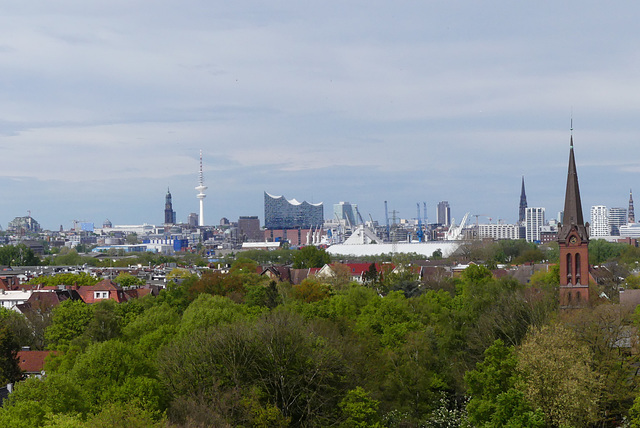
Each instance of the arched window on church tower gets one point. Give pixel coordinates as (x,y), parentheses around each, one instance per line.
(569,269)
(577,268)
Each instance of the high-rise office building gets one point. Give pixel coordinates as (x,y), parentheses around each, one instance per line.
(192,220)
(280,213)
(534,220)
(347,212)
(444,213)
(249,229)
(599,221)
(617,218)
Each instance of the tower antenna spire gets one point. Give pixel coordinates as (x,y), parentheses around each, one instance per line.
(201,195)
(571,127)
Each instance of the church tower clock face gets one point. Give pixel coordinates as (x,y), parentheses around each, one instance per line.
(573,240)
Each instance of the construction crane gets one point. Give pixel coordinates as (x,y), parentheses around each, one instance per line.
(419,232)
(359,216)
(482,215)
(386,215)
(424,204)
(455,232)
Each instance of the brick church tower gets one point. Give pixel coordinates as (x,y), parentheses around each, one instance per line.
(573,240)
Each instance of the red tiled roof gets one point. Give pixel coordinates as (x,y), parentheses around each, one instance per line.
(33,361)
(115,292)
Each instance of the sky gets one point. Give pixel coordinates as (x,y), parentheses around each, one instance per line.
(106,104)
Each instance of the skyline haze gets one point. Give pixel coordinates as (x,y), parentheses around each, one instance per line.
(106,104)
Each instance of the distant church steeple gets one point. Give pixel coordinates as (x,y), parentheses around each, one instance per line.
(169,213)
(632,216)
(523,204)
(573,240)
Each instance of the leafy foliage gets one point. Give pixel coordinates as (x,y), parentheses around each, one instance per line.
(79,279)
(240,349)
(310,257)
(18,255)
(9,347)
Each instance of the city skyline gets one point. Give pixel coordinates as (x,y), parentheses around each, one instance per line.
(104,108)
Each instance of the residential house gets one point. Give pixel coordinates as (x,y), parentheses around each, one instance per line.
(104,290)
(32,362)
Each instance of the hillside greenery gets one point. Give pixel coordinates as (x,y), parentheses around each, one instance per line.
(240,350)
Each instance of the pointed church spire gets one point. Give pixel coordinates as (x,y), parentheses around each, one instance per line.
(523,203)
(573,244)
(572,203)
(632,216)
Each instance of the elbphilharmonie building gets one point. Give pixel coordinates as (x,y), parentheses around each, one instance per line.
(280,213)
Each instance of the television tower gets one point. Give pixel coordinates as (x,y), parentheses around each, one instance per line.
(201,188)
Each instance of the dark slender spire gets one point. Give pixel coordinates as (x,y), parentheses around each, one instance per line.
(632,216)
(572,203)
(523,203)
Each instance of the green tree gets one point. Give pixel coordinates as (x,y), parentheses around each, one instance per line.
(359,410)
(80,279)
(153,328)
(260,295)
(606,331)
(18,325)
(295,370)
(125,279)
(371,277)
(415,375)
(243,265)
(18,255)
(68,257)
(9,366)
(69,321)
(211,311)
(311,290)
(117,372)
(632,281)
(35,402)
(532,255)
(495,399)
(558,376)
(310,257)
(105,323)
(601,251)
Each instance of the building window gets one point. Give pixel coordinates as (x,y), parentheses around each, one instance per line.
(100,294)
(578,268)
(569,268)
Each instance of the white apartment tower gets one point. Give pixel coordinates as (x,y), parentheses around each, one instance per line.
(599,221)
(534,220)
(500,231)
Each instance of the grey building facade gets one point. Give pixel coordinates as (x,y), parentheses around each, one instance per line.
(280,213)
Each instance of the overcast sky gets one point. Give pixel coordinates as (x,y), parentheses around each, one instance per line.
(106,104)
